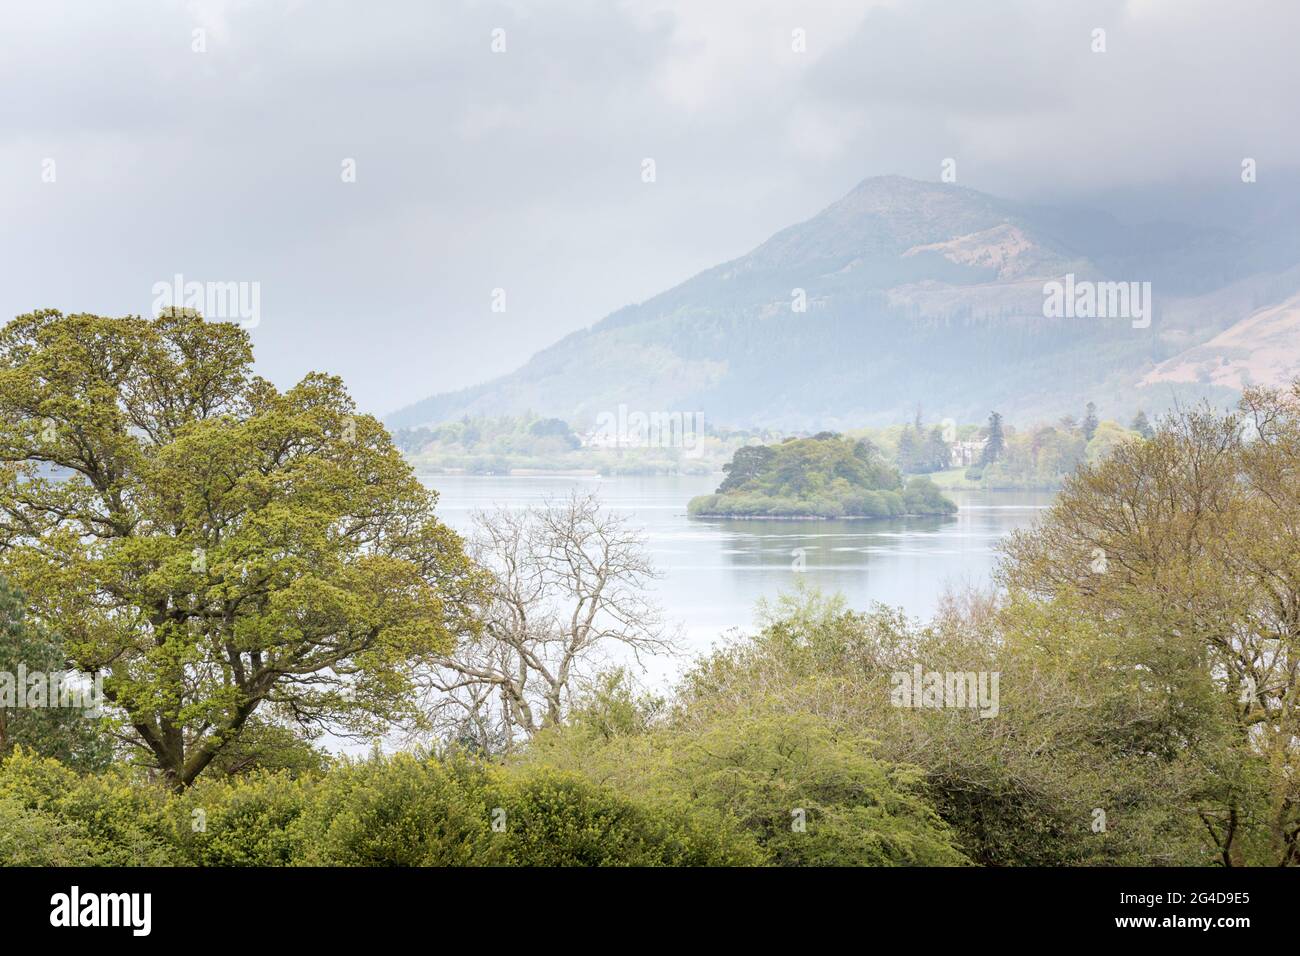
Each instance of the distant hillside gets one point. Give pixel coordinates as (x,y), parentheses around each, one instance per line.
(1261,349)
(916,294)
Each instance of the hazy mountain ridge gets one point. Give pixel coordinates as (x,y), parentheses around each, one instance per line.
(916,293)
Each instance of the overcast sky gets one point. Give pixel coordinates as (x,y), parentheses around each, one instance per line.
(522,169)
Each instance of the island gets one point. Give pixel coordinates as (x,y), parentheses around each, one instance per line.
(825,476)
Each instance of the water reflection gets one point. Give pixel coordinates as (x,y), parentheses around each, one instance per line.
(715,570)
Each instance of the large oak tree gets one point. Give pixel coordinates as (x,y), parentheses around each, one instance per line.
(214,546)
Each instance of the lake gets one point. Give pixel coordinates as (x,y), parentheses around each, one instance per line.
(714,571)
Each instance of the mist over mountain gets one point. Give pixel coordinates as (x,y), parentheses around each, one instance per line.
(905,294)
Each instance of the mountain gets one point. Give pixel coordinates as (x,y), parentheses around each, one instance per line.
(916,293)
(1261,349)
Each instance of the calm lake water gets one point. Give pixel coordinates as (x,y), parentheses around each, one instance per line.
(716,570)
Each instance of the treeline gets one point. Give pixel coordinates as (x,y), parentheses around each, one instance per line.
(996,455)
(523,435)
(488,445)
(1043,456)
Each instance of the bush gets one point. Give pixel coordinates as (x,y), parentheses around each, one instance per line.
(33,838)
(110,819)
(923,497)
(561,819)
(248,821)
(399,811)
(802,790)
(813,795)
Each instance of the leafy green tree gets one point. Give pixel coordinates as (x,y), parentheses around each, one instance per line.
(809,791)
(403,810)
(216,548)
(1019,788)
(66,734)
(265,746)
(553,818)
(1184,547)
(748,464)
(1105,439)
(113,818)
(813,795)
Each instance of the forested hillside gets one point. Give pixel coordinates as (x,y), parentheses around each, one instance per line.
(906,293)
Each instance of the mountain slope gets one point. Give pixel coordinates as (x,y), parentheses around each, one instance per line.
(911,293)
(1261,349)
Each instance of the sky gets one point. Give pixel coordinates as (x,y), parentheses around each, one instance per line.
(423,194)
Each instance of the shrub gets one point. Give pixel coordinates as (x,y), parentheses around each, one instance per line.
(117,818)
(399,811)
(561,819)
(31,837)
(248,821)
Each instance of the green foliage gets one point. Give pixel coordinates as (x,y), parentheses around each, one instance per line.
(403,810)
(1041,457)
(746,465)
(920,451)
(826,476)
(805,789)
(562,819)
(995,441)
(813,795)
(1142,425)
(67,734)
(263,746)
(114,818)
(922,496)
(399,811)
(1180,552)
(1090,422)
(32,838)
(1019,788)
(214,546)
(246,821)
(505,444)
(526,436)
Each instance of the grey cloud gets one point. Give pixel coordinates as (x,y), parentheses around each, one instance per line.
(522,171)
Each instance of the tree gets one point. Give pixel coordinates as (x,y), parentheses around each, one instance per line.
(214,547)
(1141,425)
(555,428)
(67,734)
(1185,548)
(1090,421)
(568,586)
(748,463)
(909,450)
(936,450)
(996,442)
